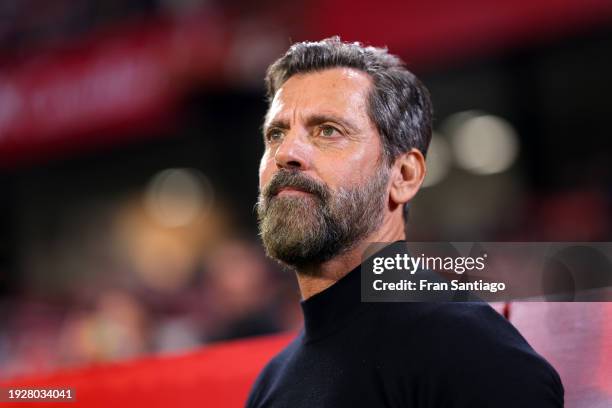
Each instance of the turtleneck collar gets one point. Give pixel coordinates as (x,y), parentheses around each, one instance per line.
(332,308)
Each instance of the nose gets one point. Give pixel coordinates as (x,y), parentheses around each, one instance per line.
(292,153)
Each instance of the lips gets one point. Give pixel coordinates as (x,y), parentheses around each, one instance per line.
(291,191)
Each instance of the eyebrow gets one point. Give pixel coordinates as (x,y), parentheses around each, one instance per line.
(277,124)
(313,120)
(318,119)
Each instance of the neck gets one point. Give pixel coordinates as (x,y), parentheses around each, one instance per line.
(317,278)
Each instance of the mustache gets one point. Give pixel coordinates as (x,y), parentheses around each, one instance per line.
(297,180)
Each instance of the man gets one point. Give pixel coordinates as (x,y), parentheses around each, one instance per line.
(345,138)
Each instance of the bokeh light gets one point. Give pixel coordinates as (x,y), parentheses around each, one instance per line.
(176,197)
(439,160)
(483,144)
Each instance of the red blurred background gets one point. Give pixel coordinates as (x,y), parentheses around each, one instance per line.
(129,147)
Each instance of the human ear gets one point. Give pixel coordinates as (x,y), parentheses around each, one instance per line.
(408,174)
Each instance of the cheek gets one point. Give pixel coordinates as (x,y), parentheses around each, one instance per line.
(265,169)
(354,168)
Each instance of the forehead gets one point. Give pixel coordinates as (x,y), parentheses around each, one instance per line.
(342,91)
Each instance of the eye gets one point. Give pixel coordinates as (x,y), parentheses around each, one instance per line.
(274,135)
(327,131)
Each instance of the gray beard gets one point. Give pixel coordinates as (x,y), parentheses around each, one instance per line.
(307,230)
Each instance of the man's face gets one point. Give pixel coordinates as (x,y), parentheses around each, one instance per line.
(322,183)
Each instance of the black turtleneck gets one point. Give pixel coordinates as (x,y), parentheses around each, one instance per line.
(354,354)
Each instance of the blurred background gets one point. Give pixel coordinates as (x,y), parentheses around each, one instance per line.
(130,140)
